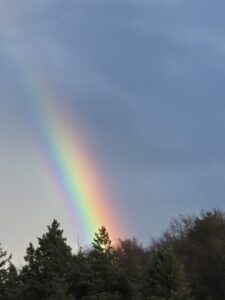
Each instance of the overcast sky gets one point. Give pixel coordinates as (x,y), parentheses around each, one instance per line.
(146,80)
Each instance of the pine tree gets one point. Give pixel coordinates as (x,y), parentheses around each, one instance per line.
(102,258)
(12,284)
(81,277)
(102,243)
(131,258)
(59,289)
(166,278)
(4,262)
(103,269)
(48,266)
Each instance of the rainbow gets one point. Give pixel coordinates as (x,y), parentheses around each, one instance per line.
(75,171)
(66,155)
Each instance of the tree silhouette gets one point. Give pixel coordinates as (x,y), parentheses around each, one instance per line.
(166,278)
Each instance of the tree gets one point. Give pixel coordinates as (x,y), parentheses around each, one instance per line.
(47,267)
(204,256)
(131,257)
(199,243)
(166,278)
(59,289)
(102,244)
(12,284)
(81,279)
(4,262)
(101,261)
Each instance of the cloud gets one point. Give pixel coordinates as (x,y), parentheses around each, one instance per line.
(137,72)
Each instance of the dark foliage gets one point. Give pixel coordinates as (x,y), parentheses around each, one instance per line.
(187,262)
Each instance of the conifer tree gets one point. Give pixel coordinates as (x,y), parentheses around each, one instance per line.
(166,278)
(101,260)
(4,262)
(131,258)
(59,289)
(102,243)
(48,266)
(12,284)
(81,277)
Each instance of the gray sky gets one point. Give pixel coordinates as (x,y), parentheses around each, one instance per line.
(146,80)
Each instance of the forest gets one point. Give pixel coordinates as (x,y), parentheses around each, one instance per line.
(186,262)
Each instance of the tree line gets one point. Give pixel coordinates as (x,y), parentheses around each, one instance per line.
(186,262)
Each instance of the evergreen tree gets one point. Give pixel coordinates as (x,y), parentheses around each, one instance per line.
(12,284)
(4,262)
(131,258)
(48,266)
(81,276)
(103,269)
(102,243)
(100,259)
(166,278)
(58,290)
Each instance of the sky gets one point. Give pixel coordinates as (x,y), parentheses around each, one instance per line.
(144,79)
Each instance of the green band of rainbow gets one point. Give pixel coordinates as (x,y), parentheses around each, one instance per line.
(72,166)
(63,150)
